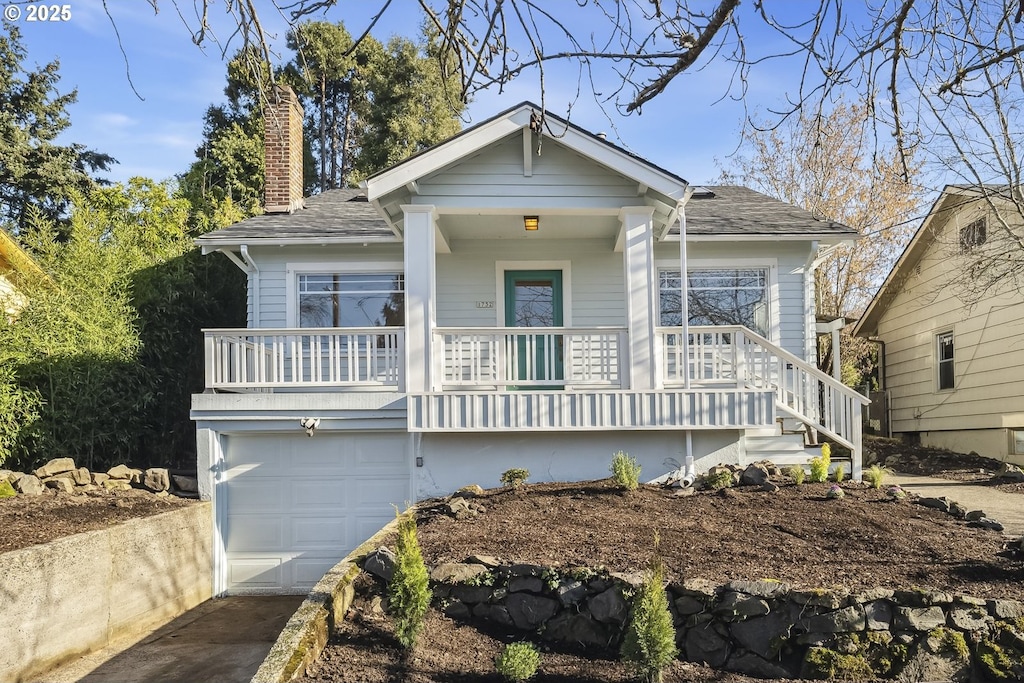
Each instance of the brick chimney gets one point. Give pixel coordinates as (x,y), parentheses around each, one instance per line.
(282,140)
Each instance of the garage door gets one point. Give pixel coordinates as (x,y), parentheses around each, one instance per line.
(294,506)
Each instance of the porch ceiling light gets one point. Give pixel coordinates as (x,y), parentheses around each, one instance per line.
(531,222)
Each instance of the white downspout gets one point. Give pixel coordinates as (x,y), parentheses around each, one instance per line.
(254,276)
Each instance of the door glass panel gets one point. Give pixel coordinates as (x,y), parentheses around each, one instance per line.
(534,303)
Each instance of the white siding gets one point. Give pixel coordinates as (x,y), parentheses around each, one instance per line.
(988,348)
(560,177)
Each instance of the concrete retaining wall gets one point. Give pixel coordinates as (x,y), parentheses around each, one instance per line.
(77,594)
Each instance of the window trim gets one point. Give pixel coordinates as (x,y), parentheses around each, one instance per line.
(978,228)
(293,270)
(939,361)
(770,265)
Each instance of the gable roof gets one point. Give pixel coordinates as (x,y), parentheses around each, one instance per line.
(732,210)
(950,200)
(15,259)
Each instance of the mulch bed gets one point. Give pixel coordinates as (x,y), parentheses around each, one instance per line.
(938,462)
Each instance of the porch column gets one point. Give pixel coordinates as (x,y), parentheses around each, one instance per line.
(420,318)
(638,261)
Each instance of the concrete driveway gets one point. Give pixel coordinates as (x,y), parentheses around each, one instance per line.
(221,641)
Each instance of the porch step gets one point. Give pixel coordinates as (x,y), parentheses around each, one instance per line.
(781,449)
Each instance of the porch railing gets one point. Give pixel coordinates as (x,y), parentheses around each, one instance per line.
(366,357)
(481,357)
(735,355)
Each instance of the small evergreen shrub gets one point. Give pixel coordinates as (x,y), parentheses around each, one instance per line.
(408,592)
(515,477)
(518,662)
(650,640)
(719,480)
(875,475)
(796,473)
(626,471)
(839,473)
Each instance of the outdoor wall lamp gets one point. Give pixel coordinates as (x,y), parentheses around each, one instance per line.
(531,222)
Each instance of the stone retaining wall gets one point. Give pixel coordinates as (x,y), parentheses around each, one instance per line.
(760,628)
(77,594)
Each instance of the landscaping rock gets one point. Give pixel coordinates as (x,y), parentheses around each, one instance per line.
(840,621)
(456,610)
(752,665)
(526,570)
(975,515)
(530,611)
(99,477)
(817,598)
(1006,609)
(62,484)
(456,573)
(761,589)
(609,607)
(764,636)
(29,485)
(878,615)
(971,619)
(380,563)
(496,613)
(471,491)
(185,484)
(957,510)
(472,594)
(55,467)
(458,508)
(941,503)
(986,523)
(156,479)
(687,605)
(116,484)
(1010,473)
(935,660)
(530,584)
(918,618)
(754,475)
(488,561)
(704,645)
(81,476)
(570,592)
(577,628)
(740,606)
(120,472)
(769,487)
(7,475)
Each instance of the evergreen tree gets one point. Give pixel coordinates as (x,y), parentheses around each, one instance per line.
(36,174)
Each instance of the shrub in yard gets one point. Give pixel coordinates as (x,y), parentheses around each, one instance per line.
(718,480)
(518,661)
(796,473)
(895,493)
(650,640)
(835,492)
(839,473)
(875,475)
(515,477)
(820,465)
(626,471)
(408,591)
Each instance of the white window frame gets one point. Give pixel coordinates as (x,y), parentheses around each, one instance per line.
(936,341)
(973,235)
(770,265)
(293,270)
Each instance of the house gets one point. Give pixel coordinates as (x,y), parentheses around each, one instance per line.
(15,265)
(508,298)
(953,371)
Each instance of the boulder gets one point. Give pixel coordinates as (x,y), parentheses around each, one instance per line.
(878,615)
(970,619)
(570,592)
(918,618)
(99,477)
(754,475)
(62,484)
(1010,473)
(488,561)
(156,479)
(736,606)
(986,523)
(380,563)
(974,515)
(609,607)
(937,658)
(687,605)
(530,611)
(496,613)
(764,636)
(761,589)
(120,472)
(529,584)
(7,475)
(752,665)
(81,476)
(116,484)
(185,484)
(28,484)
(55,467)
(840,621)
(7,489)
(570,627)
(471,595)
(1006,609)
(456,573)
(471,491)
(704,645)
(941,503)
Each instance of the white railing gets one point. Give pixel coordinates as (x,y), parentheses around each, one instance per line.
(738,356)
(591,410)
(498,357)
(366,357)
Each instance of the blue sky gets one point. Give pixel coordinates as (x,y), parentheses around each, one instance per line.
(155,135)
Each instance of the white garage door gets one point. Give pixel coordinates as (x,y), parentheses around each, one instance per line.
(296,505)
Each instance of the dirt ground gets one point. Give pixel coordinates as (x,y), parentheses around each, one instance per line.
(936,462)
(28,520)
(794,535)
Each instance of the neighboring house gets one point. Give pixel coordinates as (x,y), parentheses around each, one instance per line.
(15,265)
(954,373)
(502,299)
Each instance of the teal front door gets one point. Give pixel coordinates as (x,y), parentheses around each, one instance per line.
(533,298)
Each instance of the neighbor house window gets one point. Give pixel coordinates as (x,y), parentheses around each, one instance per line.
(717,296)
(351,300)
(973,235)
(944,354)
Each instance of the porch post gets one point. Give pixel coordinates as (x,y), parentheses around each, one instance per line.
(420,317)
(638,261)
(684,299)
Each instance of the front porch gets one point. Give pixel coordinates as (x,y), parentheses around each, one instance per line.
(548,379)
